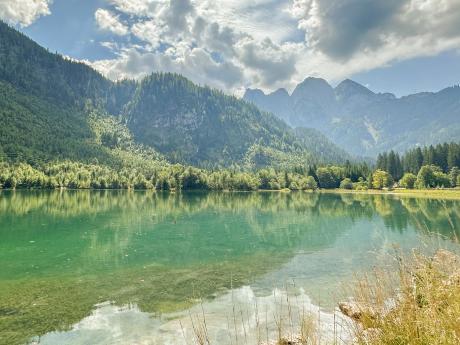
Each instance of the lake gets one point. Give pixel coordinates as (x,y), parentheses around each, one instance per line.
(123,267)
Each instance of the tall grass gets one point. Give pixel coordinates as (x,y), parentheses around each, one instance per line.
(423,310)
(288,319)
(416,304)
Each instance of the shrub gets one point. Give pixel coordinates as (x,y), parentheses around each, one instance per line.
(408,181)
(329,177)
(442,180)
(381,179)
(426,177)
(346,184)
(310,183)
(361,184)
(431,176)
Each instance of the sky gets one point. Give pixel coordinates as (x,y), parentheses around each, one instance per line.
(399,46)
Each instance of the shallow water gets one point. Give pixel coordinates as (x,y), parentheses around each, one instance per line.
(89,267)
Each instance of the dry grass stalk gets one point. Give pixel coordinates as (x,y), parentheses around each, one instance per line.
(426,309)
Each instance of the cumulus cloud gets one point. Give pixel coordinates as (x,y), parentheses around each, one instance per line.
(106,20)
(143,8)
(215,37)
(272,63)
(196,64)
(23,12)
(273,43)
(189,37)
(175,15)
(343,29)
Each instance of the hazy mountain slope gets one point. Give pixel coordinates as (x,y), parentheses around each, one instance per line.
(320,145)
(278,102)
(49,105)
(203,126)
(365,123)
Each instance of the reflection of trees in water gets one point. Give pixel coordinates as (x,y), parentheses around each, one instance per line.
(176,259)
(432,215)
(98,230)
(396,212)
(181,229)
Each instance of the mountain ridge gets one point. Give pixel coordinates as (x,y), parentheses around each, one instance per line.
(364,122)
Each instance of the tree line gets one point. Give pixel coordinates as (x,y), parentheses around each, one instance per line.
(391,170)
(445,156)
(422,167)
(77,175)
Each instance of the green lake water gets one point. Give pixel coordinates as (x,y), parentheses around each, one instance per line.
(109,267)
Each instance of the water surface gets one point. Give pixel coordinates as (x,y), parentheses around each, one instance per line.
(90,267)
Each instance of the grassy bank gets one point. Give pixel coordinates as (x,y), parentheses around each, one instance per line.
(425,309)
(416,304)
(451,194)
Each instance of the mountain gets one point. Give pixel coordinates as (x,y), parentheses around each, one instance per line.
(320,146)
(55,108)
(363,122)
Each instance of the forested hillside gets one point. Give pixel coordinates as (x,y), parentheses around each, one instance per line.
(445,156)
(50,107)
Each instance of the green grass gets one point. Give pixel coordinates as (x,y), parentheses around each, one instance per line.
(451,194)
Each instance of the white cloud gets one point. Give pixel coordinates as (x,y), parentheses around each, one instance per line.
(23,12)
(143,8)
(273,43)
(196,64)
(353,30)
(106,20)
(148,31)
(271,63)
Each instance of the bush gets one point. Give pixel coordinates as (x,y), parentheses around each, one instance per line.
(431,176)
(361,184)
(346,184)
(381,179)
(442,180)
(426,177)
(408,181)
(329,177)
(310,183)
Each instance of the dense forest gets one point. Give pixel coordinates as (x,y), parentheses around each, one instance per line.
(426,167)
(136,172)
(75,175)
(446,156)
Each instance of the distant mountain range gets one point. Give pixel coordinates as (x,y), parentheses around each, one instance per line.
(54,108)
(363,122)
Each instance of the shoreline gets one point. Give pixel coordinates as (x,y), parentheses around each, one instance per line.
(450,194)
(447,194)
